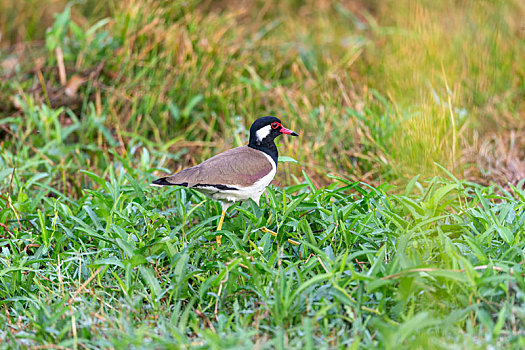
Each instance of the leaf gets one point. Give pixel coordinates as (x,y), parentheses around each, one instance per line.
(343,180)
(94,177)
(447,172)
(137,259)
(441,193)
(310,183)
(113,261)
(305,227)
(415,324)
(6,172)
(55,35)
(191,105)
(291,207)
(174,111)
(484,203)
(505,234)
(35,178)
(181,267)
(128,248)
(284,159)
(93,217)
(411,185)
(499,323)
(310,282)
(101,23)
(149,276)
(136,187)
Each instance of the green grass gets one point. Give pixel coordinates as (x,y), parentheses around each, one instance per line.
(92,257)
(116,263)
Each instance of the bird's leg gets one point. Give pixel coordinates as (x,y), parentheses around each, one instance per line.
(219,227)
(265,230)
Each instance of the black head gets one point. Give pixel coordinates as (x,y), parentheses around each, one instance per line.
(263,132)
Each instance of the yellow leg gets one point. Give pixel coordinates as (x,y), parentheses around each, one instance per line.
(219,227)
(265,230)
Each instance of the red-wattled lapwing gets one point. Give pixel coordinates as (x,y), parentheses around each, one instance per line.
(238,174)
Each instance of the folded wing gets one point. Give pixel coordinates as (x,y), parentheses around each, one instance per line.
(238,167)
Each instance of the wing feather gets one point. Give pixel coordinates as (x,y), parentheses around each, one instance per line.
(238,167)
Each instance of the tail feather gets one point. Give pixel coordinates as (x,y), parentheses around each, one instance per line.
(163,181)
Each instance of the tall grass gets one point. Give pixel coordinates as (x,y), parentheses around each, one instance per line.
(397,85)
(454,66)
(193,71)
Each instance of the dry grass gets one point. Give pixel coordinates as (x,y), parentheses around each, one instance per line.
(496,158)
(449,67)
(379,90)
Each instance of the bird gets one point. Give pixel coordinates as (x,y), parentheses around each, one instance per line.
(237,174)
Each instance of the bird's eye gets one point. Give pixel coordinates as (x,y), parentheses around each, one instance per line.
(275,125)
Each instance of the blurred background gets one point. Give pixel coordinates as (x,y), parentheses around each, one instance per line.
(378,90)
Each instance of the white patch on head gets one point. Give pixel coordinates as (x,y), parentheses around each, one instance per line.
(263,132)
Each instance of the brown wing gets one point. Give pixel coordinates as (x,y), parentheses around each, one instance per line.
(238,167)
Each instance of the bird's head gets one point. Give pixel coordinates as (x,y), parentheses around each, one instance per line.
(266,129)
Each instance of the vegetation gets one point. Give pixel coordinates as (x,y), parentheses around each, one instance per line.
(426,96)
